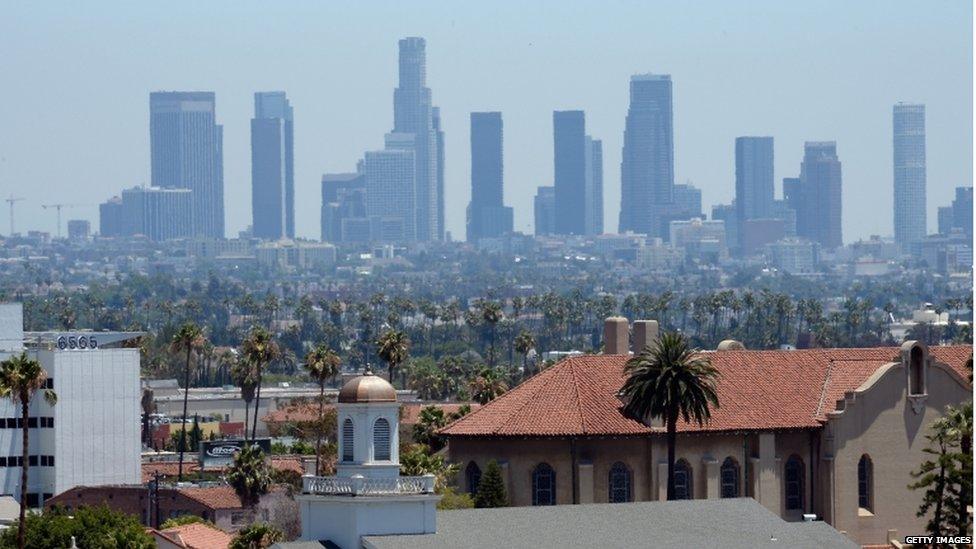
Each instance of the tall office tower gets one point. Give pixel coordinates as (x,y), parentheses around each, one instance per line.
(413,114)
(818,216)
(272,167)
(544,207)
(908,121)
(110,217)
(726,213)
(156,213)
(569,140)
(791,193)
(439,131)
(390,190)
(962,210)
(187,150)
(754,192)
(487,214)
(344,207)
(647,168)
(687,202)
(593,151)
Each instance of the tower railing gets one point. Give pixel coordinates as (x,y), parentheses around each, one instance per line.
(358,485)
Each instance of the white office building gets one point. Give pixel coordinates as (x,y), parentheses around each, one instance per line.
(91,436)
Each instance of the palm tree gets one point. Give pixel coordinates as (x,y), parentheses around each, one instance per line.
(491,313)
(322,364)
(256,536)
(21,378)
(670,380)
(249,475)
(524,343)
(148,407)
(259,349)
(487,386)
(187,339)
(242,373)
(394,348)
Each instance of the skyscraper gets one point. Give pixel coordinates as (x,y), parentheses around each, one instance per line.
(390,190)
(187,148)
(908,121)
(487,214)
(272,167)
(569,140)
(413,113)
(754,192)
(593,151)
(439,131)
(647,168)
(544,208)
(818,213)
(156,213)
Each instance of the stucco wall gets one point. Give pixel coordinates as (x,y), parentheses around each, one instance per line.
(881,422)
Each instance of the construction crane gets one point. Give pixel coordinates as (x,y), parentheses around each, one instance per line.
(58,208)
(11,200)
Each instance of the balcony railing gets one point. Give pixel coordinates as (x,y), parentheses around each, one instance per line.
(357,485)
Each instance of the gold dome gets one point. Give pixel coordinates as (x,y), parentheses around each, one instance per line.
(367,388)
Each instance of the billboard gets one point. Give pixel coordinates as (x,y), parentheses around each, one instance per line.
(215,453)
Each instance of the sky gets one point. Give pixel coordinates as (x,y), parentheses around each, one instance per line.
(74,98)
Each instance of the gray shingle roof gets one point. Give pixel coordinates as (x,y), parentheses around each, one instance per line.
(720,523)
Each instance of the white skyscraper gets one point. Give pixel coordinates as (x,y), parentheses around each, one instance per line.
(909,172)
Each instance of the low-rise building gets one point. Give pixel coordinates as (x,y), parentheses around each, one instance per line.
(802,432)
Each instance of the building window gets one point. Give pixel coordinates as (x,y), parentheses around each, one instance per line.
(916,371)
(33,501)
(473,476)
(381,440)
(730,478)
(347,440)
(543,485)
(683,487)
(794,483)
(620,483)
(865,483)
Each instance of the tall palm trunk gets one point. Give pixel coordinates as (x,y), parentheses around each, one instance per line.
(21,527)
(672,442)
(318,430)
(257,406)
(186,397)
(247,408)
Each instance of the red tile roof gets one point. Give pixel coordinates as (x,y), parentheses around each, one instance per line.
(199,536)
(171,469)
(409,416)
(757,390)
(218,497)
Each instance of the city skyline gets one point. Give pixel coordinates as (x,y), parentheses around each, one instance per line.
(327,142)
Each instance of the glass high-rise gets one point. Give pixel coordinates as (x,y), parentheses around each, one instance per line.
(754,187)
(908,122)
(818,213)
(569,158)
(272,167)
(186,146)
(647,167)
(413,113)
(487,215)
(593,151)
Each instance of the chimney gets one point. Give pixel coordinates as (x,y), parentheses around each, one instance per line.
(616,339)
(645,333)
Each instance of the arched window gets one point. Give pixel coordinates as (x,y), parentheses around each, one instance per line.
(348,441)
(620,483)
(793,473)
(683,487)
(865,483)
(473,475)
(730,478)
(381,440)
(916,371)
(543,485)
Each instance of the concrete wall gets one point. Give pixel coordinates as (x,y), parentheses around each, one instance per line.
(881,421)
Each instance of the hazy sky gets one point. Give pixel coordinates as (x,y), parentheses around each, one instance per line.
(74,99)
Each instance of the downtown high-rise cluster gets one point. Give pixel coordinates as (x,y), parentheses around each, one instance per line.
(397,194)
